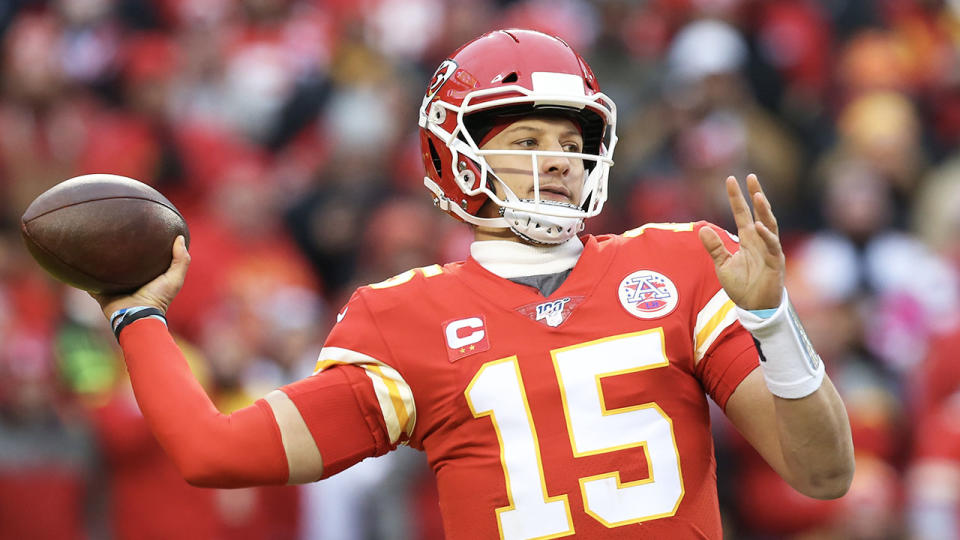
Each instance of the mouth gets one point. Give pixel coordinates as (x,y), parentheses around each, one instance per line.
(554,193)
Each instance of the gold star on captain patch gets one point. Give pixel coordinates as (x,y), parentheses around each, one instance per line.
(463,349)
(472,347)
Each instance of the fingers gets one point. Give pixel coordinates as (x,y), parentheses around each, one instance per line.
(741,210)
(714,245)
(760,221)
(770,240)
(761,205)
(762,210)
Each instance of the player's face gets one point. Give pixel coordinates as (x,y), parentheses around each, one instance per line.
(561,178)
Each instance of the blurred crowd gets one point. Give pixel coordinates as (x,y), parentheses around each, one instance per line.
(285,131)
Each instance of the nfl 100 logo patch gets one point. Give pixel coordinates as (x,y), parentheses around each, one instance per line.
(646,294)
(552,313)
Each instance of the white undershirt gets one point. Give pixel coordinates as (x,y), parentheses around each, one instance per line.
(515,259)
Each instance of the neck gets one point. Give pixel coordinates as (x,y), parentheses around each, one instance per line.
(481,234)
(512,259)
(490,210)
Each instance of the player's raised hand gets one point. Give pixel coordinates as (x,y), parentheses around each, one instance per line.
(753,276)
(157,293)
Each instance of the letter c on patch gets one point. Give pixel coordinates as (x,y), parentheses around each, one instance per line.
(455,341)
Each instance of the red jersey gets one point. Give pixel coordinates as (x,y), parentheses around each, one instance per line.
(581,413)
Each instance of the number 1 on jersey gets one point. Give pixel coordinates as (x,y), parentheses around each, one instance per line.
(497,391)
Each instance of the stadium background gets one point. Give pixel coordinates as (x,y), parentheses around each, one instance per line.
(285,130)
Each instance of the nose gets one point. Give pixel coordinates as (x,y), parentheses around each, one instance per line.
(555,165)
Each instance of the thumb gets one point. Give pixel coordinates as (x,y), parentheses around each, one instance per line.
(714,245)
(181,260)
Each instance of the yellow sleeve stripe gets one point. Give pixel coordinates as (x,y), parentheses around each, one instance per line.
(713,319)
(393,393)
(390,414)
(399,396)
(324,364)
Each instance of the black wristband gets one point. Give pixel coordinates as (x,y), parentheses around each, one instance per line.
(123,318)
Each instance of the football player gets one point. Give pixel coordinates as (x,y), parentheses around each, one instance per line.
(558,383)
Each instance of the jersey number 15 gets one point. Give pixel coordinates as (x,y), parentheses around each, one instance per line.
(497,391)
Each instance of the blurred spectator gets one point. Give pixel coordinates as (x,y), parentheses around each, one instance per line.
(709,126)
(47,458)
(933,500)
(42,128)
(403,234)
(934,215)
(882,129)
(907,292)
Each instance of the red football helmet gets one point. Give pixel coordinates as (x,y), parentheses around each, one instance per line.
(501,75)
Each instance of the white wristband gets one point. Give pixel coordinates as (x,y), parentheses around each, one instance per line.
(791,368)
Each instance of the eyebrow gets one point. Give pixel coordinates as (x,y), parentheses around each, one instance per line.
(539,130)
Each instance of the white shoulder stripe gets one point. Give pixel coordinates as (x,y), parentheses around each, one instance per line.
(330,356)
(393,393)
(713,319)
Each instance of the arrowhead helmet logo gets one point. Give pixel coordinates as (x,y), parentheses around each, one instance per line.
(443,73)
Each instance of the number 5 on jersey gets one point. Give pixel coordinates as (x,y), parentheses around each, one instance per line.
(497,391)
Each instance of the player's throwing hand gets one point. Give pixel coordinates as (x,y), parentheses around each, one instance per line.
(157,293)
(753,276)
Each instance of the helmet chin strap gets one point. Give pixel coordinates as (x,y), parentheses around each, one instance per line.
(535,227)
(540,229)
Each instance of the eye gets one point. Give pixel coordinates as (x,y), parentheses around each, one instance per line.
(526,143)
(571,147)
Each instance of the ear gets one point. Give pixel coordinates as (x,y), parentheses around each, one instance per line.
(489,209)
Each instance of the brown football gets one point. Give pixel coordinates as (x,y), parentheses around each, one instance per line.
(102,233)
